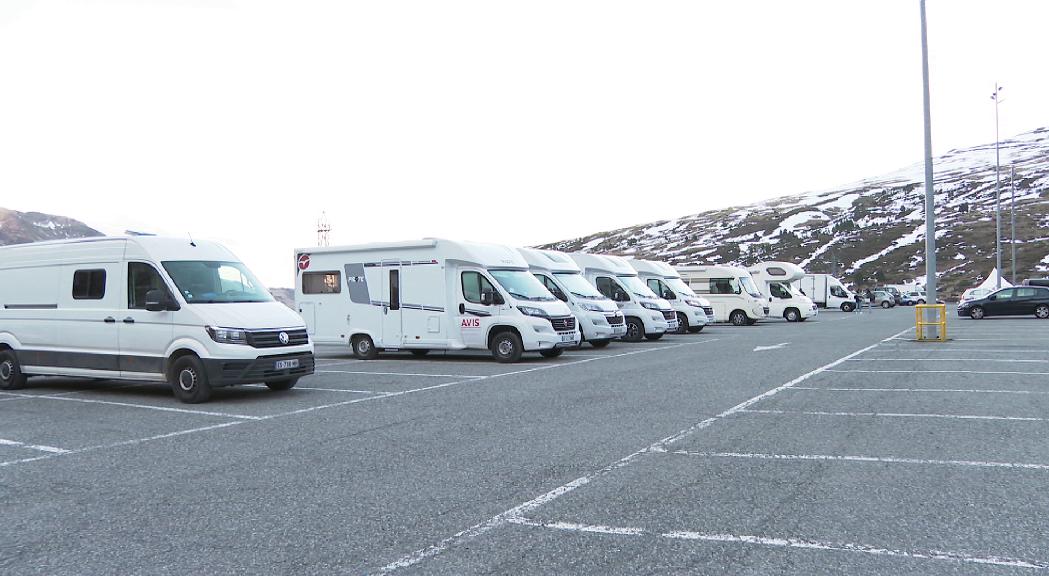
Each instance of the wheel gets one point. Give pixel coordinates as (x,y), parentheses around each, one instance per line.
(792,314)
(189,381)
(364,348)
(635,330)
(682,323)
(848,306)
(282,384)
(738,318)
(695,329)
(654,336)
(419,353)
(551,353)
(599,343)
(507,347)
(886,305)
(976,313)
(920,301)
(11,377)
(1042,311)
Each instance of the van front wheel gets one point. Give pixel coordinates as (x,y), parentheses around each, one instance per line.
(848,307)
(635,330)
(507,347)
(682,324)
(792,315)
(738,318)
(11,377)
(364,348)
(189,381)
(282,384)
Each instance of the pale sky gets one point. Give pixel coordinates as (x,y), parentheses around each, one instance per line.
(517,123)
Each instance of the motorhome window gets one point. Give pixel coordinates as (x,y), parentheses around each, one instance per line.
(661,289)
(395,289)
(775,271)
(578,286)
(473,284)
(635,285)
(211,282)
(609,288)
(89,284)
(321,282)
(677,285)
(724,286)
(552,287)
(838,291)
(779,291)
(141,278)
(748,285)
(521,285)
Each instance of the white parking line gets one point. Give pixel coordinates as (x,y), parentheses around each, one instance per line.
(318,364)
(142,406)
(40,447)
(872,459)
(520,510)
(399,374)
(786,542)
(956,390)
(895,415)
(1027,360)
(938,372)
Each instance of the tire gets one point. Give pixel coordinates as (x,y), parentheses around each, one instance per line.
(792,315)
(364,348)
(920,301)
(11,377)
(635,330)
(189,380)
(682,323)
(886,305)
(599,343)
(1042,311)
(419,353)
(695,329)
(552,353)
(654,336)
(976,313)
(507,347)
(738,318)
(848,306)
(279,385)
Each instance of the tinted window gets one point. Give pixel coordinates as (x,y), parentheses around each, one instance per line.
(552,287)
(776,271)
(89,284)
(724,286)
(1026,292)
(606,286)
(779,291)
(141,278)
(1005,294)
(395,290)
(321,283)
(473,284)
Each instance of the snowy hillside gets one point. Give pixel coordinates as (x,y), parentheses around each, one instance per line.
(871,231)
(22,227)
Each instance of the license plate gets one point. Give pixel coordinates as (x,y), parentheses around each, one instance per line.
(285,364)
(568,337)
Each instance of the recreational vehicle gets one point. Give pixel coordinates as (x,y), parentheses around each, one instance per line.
(599,319)
(774,279)
(827,291)
(144,308)
(693,312)
(428,295)
(731,291)
(647,315)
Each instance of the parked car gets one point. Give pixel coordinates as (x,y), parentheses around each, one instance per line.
(1018,301)
(912,298)
(883,299)
(897,296)
(974,293)
(1036,282)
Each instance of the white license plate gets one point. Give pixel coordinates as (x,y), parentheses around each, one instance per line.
(285,364)
(568,337)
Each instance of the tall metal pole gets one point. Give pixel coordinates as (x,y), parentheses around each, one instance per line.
(997,195)
(930,204)
(1012,224)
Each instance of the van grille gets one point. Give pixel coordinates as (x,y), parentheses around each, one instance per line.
(616,320)
(271,338)
(669,315)
(563,324)
(709,311)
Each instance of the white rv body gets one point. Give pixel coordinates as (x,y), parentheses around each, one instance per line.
(775,280)
(827,291)
(79,308)
(692,310)
(731,291)
(598,317)
(647,315)
(429,295)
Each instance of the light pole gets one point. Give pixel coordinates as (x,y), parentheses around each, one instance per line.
(1012,224)
(996,96)
(930,205)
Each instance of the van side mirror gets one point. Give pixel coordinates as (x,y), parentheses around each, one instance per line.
(487,298)
(668,295)
(158,301)
(619,296)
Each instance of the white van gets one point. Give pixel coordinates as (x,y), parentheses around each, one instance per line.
(600,320)
(827,291)
(691,309)
(731,291)
(427,295)
(144,308)
(647,315)
(774,279)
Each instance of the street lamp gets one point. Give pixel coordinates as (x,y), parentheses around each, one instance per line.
(930,205)
(1012,218)
(996,96)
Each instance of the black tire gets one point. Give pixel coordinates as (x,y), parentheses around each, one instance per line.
(599,343)
(848,306)
(886,305)
(635,330)
(189,380)
(792,314)
(507,347)
(278,385)
(695,329)
(551,353)
(11,377)
(363,347)
(738,318)
(419,353)
(920,301)
(682,323)
(654,336)
(976,313)
(1042,311)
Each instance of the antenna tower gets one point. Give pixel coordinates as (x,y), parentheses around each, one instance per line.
(323,231)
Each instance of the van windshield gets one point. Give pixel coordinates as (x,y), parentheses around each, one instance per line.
(677,285)
(635,285)
(209,282)
(748,285)
(521,285)
(578,286)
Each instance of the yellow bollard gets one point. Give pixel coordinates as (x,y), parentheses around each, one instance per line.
(920,323)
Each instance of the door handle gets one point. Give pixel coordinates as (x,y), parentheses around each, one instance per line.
(129,320)
(462,308)
(109,320)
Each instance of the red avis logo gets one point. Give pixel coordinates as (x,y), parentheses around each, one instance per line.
(471,323)
(304,261)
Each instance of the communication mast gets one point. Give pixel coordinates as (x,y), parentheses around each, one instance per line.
(323,231)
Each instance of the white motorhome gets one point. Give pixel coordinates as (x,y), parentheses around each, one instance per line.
(827,291)
(731,291)
(692,310)
(144,308)
(428,295)
(647,315)
(775,280)
(600,320)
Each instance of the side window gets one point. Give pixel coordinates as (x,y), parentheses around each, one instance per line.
(395,290)
(141,278)
(606,286)
(722,286)
(1025,292)
(776,271)
(89,284)
(473,285)
(699,286)
(552,287)
(321,282)
(653,285)
(778,291)
(1006,294)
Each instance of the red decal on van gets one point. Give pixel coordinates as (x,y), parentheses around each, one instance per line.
(471,323)
(304,261)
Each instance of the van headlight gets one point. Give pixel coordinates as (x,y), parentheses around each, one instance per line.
(533,311)
(694,303)
(650,305)
(591,307)
(228,335)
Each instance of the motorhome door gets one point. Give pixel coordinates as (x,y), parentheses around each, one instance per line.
(392,331)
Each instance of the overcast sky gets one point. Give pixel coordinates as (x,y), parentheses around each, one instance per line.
(518,123)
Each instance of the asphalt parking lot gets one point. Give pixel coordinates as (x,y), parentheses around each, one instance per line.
(834,446)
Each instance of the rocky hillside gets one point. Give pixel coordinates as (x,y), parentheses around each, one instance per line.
(22,227)
(872,231)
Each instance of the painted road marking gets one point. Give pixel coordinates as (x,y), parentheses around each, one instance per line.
(872,459)
(938,372)
(40,447)
(399,374)
(1031,361)
(142,406)
(773,347)
(895,415)
(957,390)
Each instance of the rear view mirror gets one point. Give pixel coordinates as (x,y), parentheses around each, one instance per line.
(487,298)
(668,295)
(619,296)
(157,301)
(992,297)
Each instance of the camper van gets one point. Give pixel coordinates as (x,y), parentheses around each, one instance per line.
(647,315)
(731,291)
(429,294)
(827,291)
(774,279)
(692,310)
(599,319)
(144,308)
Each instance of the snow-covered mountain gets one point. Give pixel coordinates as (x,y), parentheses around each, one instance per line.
(871,231)
(22,227)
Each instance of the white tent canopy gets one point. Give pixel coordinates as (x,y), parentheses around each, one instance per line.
(991,283)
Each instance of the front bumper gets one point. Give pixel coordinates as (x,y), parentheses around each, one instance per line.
(231,372)
(602,325)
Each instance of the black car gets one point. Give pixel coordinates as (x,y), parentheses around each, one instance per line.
(1018,301)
